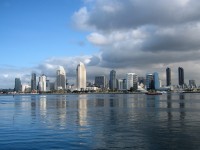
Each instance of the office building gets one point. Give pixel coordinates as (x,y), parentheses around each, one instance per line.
(120,84)
(149,81)
(60,78)
(153,81)
(33,82)
(192,84)
(157,82)
(48,86)
(81,77)
(18,85)
(100,81)
(168,77)
(42,83)
(131,81)
(113,80)
(124,84)
(181,76)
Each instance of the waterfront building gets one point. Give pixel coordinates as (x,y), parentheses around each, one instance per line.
(113,81)
(192,84)
(81,77)
(168,77)
(131,81)
(42,83)
(48,86)
(157,83)
(33,82)
(60,78)
(100,81)
(18,85)
(149,81)
(120,84)
(52,86)
(181,76)
(152,81)
(124,84)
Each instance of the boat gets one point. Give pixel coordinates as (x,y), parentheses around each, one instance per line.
(153,93)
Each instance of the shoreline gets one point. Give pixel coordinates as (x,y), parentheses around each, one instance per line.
(18,94)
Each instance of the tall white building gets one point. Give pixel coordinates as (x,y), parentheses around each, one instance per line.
(81,76)
(42,83)
(131,81)
(60,78)
(120,85)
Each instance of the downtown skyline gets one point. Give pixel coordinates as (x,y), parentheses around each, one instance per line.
(112,82)
(105,35)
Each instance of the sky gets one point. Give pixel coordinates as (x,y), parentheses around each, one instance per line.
(136,36)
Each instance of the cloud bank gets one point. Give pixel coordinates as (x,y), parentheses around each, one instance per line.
(132,36)
(142,36)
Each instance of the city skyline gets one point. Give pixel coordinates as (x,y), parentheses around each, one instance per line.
(130,80)
(105,35)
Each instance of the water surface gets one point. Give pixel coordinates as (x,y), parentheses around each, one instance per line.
(100,121)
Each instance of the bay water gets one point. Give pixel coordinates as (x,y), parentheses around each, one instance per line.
(100,121)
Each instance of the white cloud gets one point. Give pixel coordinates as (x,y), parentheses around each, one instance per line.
(145,36)
(97,39)
(80,19)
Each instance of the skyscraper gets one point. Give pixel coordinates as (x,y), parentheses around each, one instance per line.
(150,81)
(113,81)
(168,77)
(181,76)
(156,80)
(60,78)
(81,76)
(18,85)
(131,81)
(120,84)
(100,81)
(42,83)
(33,82)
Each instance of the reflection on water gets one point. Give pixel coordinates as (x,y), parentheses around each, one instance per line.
(82,110)
(100,121)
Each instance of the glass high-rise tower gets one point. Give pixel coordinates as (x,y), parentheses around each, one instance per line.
(33,82)
(60,78)
(168,77)
(100,81)
(113,81)
(181,76)
(81,76)
(18,85)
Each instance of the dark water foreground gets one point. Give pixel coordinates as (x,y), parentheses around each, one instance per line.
(100,121)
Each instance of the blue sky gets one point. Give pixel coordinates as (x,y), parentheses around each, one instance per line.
(32,31)
(128,36)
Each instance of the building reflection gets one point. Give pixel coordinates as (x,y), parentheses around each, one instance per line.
(169,106)
(51,109)
(43,105)
(22,102)
(182,106)
(33,106)
(152,101)
(82,110)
